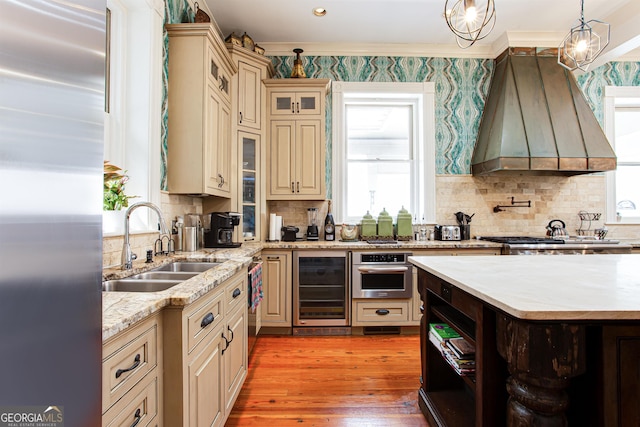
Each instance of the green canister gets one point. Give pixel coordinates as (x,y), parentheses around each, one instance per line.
(385,224)
(405,228)
(368,228)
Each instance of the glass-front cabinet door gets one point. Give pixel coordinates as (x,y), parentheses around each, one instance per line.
(294,103)
(250,166)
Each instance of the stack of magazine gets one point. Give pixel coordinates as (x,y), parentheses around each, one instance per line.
(457,351)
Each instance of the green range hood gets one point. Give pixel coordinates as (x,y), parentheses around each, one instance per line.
(537,121)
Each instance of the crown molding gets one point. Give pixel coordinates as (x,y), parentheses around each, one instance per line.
(505,40)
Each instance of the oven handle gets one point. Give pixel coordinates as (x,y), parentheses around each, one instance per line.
(382,270)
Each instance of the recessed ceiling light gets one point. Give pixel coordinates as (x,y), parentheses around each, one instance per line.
(319,11)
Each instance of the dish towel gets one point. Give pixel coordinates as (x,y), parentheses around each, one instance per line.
(255,286)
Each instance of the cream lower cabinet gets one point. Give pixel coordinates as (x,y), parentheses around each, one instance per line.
(277,289)
(199,112)
(132,376)
(206,356)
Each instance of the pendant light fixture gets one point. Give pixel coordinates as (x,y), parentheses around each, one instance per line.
(584,43)
(470,20)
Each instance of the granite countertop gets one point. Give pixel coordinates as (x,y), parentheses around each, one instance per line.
(589,287)
(122,309)
(411,244)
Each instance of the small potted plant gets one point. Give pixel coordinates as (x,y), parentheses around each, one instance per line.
(114,182)
(114,198)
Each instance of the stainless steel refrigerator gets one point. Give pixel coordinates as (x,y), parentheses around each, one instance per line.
(52,68)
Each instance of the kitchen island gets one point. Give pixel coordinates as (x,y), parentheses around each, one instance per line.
(557,339)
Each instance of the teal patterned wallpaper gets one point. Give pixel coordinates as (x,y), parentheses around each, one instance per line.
(610,74)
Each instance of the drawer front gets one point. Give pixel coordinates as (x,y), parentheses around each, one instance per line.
(203,318)
(139,408)
(462,301)
(382,312)
(236,292)
(126,360)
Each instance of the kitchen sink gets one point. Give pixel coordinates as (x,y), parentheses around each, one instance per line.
(182,266)
(138,285)
(159,279)
(164,275)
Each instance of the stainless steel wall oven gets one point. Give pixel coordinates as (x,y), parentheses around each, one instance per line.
(321,292)
(381,275)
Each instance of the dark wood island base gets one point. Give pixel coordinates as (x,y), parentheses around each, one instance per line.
(541,373)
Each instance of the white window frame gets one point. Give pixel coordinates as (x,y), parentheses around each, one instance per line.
(133,123)
(610,95)
(424,148)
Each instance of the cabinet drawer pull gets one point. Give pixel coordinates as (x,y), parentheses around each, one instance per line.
(207,320)
(297,107)
(293,188)
(231,332)
(240,116)
(298,185)
(136,362)
(137,416)
(382,311)
(293,109)
(236,293)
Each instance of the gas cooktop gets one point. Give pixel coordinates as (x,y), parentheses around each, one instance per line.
(519,240)
(528,240)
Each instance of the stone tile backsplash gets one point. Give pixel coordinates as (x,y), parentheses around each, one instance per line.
(552,197)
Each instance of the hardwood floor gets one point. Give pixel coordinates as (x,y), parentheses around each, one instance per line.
(338,381)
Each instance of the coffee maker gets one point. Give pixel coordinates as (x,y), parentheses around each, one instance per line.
(221,228)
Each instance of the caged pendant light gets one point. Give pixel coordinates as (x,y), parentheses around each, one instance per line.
(470,20)
(584,43)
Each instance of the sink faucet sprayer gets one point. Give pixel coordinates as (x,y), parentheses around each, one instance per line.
(127,255)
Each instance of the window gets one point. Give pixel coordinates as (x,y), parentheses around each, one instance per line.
(133,117)
(384,150)
(622,126)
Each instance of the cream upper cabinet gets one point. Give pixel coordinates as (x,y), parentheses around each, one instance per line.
(296,140)
(249,95)
(297,103)
(296,160)
(199,112)
(249,130)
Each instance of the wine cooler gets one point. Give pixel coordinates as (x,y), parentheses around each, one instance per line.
(321,290)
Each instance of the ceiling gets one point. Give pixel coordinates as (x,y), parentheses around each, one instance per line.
(409,27)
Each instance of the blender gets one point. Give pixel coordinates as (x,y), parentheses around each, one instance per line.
(312,228)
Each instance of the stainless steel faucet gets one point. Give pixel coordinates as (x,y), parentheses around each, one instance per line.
(127,256)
